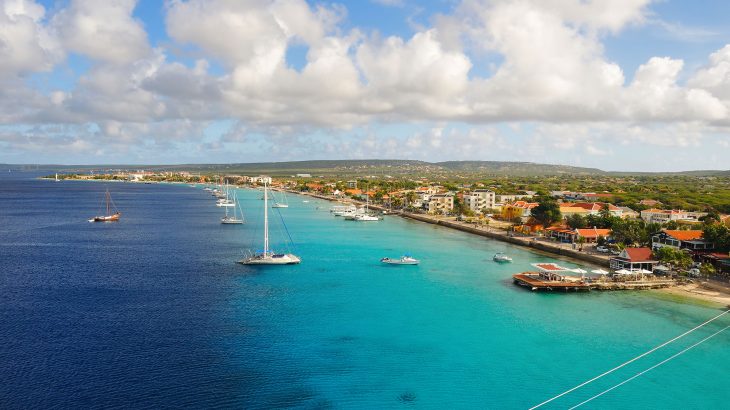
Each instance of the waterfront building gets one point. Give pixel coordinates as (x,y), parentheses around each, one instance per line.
(633,259)
(440,203)
(518,209)
(480,199)
(691,240)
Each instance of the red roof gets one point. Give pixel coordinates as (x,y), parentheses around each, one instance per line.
(594,232)
(692,235)
(594,206)
(639,254)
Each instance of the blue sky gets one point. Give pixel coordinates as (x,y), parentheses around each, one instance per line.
(618,85)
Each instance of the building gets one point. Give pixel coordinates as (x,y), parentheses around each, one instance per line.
(633,259)
(479,199)
(440,204)
(662,216)
(518,209)
(628,213)
(650,203)
(567,210)
(591,235)
(511,198)
(593,208)
(304,175)
(690,240)
(352,184)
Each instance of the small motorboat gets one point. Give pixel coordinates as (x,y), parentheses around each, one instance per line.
(501,257)
(403,260)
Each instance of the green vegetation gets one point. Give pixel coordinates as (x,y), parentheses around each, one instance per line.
(547,212)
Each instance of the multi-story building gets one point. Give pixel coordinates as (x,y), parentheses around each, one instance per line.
(691,240)
(440,204)
(519,209)
(662,216)
(479,199)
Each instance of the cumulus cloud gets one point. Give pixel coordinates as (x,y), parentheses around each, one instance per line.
(550,69)
(26,44)
(102,30)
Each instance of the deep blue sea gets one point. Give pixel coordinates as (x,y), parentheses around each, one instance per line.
(154,312)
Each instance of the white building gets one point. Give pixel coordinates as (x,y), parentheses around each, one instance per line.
(480,199)
(663,216)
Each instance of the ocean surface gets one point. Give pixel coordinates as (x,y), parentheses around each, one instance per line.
(154,312)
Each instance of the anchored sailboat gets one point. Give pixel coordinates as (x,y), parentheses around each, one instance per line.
(268,256)
(232,219)
(283,203)
(108,217)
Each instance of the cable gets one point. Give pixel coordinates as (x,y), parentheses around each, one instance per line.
(652,367)
(630,361)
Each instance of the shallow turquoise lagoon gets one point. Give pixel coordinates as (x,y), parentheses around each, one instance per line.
(342,330)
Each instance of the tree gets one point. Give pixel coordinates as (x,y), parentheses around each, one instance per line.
(576,221)
(718,234)
(669,255)
(547,212)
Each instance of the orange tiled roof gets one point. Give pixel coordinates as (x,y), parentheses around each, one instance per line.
(684,235)
(639,254)
(593,232)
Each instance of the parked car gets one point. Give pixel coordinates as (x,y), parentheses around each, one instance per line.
(615,252)
(601,249)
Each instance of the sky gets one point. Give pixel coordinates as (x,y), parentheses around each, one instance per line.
(628,85)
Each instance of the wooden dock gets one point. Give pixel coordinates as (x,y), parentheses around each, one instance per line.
(540,281)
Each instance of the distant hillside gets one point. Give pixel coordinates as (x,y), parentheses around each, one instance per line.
(368,167)
(516,168)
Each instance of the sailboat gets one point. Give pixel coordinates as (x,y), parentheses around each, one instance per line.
(268,256)
(280,204)
(365,216)
(231,219)
(108,217)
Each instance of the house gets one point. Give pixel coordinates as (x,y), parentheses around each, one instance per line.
(518,209)
(594,208)
(511,198)
(560,233)
(628,213)
(650,203)
(440,204)
(662,216)
(720,261)
(691,240)
(567,210)
(479,199)
(352,184)
(591,234)
(633,259)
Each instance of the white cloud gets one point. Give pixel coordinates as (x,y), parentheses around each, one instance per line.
(103,30)
(26,45)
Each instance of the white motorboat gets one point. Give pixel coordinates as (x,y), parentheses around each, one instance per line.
(268,256)
(403,260)
(225,202)
(501,257)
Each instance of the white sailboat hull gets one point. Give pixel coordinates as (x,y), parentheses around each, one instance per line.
(280,259)
(225,204)
(277,205)
(231,221)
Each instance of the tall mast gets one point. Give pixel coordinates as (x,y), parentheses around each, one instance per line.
(266,220)
(107,201)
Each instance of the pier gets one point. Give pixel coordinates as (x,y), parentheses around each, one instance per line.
(542,281)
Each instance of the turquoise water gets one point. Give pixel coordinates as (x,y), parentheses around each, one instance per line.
(453,332)
(153,312)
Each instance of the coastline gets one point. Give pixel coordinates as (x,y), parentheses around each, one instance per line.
(703,293)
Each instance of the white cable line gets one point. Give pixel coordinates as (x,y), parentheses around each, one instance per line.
(652,367)
(630,361)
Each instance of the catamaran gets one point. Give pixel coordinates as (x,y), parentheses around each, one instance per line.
(108,217)
(232,219)
(268,256)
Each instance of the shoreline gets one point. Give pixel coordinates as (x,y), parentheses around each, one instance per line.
(711,294)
